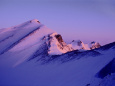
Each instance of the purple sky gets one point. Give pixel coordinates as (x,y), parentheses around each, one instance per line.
(87,20)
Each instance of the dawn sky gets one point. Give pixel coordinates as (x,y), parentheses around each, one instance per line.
(87,20)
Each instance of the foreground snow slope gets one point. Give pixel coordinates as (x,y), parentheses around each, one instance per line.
(78,69)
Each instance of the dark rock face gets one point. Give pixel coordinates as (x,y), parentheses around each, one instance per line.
(108,69)
(59,38)
(92,42)
(97,45)
(36,21)
(78,42)
(62,45)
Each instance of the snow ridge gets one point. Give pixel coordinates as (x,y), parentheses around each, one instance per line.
(18,41)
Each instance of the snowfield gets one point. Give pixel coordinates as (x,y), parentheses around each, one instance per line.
(33,55)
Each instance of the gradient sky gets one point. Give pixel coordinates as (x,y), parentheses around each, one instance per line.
(87,20)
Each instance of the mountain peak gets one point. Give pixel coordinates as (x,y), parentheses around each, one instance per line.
(77,45)
(35,20)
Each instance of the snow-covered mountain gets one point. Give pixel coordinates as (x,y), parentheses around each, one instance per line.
(31,34)
(79,45)
(33,55)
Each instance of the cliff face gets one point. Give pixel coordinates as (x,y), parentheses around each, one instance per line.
(59,38)
(56,45)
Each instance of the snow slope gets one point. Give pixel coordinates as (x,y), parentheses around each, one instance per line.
(29,56)
(70,69)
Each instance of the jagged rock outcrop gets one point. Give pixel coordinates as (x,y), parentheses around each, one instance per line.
(94,45)
(56,45)
(79,45)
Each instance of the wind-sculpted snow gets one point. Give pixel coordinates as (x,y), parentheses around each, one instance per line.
(41,53)
(73,56)
(16,41)
(6,38)
(12,37)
